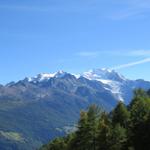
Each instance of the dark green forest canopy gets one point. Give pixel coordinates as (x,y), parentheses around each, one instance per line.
(124,128)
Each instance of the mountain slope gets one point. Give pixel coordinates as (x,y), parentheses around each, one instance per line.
(37,109)
(121,87)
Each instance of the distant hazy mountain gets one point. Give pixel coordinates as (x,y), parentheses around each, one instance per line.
(37,109)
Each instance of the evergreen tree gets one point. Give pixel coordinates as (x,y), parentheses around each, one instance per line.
(57,144)
(86,134)
(148,92)
(125,128)
(104,132)
(118,138)
(139,94)
(140,112)
(120,115)
(79,142)
(92,117)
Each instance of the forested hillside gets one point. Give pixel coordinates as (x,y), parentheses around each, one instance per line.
(124,128)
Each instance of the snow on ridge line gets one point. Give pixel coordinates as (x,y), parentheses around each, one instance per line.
(46,76)
(111,85)
(41,77)
(105,74)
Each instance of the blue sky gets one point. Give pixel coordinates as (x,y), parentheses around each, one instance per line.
(74,35)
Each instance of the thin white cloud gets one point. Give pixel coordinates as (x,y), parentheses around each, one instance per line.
(135,53)
(131,53)
(127,53)
(140,53)
(143,61)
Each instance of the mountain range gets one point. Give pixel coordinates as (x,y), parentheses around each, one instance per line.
(37,109)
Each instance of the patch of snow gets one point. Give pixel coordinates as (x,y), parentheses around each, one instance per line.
(105,81)
(41,77)
(59,74)
(29,79)
(114,88)
(111,79)
(105,74)
(77,76)
(46,76)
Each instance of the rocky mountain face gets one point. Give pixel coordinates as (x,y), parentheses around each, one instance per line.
(37,109)
(121,87)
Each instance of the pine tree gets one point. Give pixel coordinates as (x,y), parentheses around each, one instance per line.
(118,138)
(148,92)
(125,128)
(79,142)
(140,112)
(104,132)
(139,94)
(86,134)
(120,115)
(93,114)
(57,144)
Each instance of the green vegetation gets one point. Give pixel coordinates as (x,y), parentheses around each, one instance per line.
(35,121)
(124,128)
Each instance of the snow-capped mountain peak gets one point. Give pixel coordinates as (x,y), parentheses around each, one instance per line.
(103,74)
(60,74)
(46,76)
(110,78)
(41,77)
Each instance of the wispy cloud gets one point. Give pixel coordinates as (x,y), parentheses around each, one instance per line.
(127,53)
(140,53)
(143,61)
